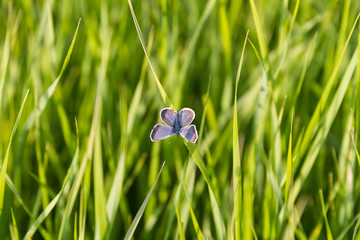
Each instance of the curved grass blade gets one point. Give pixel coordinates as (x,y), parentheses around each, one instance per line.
(343,235)
(237,189)
(289,162)
(328,230)
(316,116)
(190,51)
(193,217)
(89,150)
(14,230)
(194,151)
(323,131)
(164,96)
(35,225)
(181,231)
(4,65)
(259,30)
(141,210)
(6,159)
(47,95)
(356,229)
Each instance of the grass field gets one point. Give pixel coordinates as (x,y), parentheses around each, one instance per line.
(275,88)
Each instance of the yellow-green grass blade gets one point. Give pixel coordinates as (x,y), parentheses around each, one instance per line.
(316,116)
(35,225)
(141,210)
(99,193)
(237,189)
(14,229)
(324,212)
(203,117)
(328,118)
(289,162)
(163,94)
(193,217)
(303,71)
(181,231)
(259,30)
(6,159)
(356,229)
(355,148)
(84,163)
(117,185)
(75,226)
(3,67)
(48,94)
(135,102)
(225,35)
(345,231)
(84,198)
(195,154)
(190,50)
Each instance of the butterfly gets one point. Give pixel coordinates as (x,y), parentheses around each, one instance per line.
(176,122)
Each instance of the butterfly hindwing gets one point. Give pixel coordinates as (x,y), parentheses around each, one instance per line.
(189,133)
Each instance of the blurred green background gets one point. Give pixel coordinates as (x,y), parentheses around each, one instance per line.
(297,178)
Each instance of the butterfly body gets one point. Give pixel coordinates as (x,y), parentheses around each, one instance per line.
(176,122)
(177,125)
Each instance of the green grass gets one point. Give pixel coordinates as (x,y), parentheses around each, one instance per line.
(276,90)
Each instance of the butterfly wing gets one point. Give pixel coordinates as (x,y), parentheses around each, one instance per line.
(168,116)
(189,133)
(160,132)
(187,115)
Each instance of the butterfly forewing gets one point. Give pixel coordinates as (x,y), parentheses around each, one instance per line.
(187,115)
(160,132)
(189,133)
(168,116)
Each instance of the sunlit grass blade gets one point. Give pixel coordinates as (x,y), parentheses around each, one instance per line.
(141,210)
(354,144)
(164,96)
(194,151)
(193,217)
(328,119)
(356,229)
(6,159)
(99,193)
(117,184)
(44,99)
(289,162)
(84,163)
(259,30)
(14,229)
(303,71)
(345,231)
(324,212)
(35,225)
(190,50)
(316,116)
(181,231)
(3,67)
(237,188)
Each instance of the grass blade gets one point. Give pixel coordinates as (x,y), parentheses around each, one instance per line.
(193,217)
(328,230)
(164,96)
(35,225)
(6,159)
(141,210)
(181,231)
(237,189)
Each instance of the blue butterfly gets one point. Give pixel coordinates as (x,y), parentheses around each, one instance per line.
(175,123)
